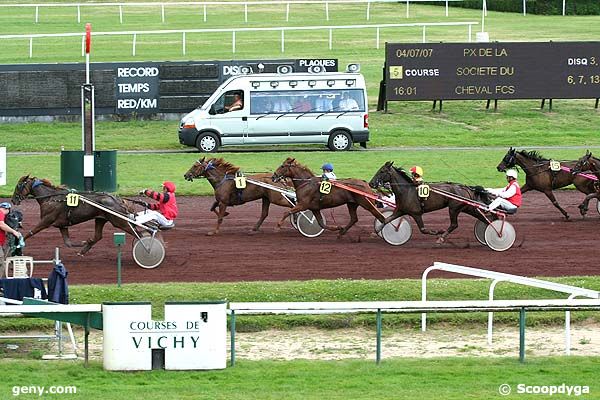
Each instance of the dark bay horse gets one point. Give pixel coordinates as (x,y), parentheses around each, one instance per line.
(220,174)
(55,212)
(309,197)
(588,163)
(539,176)
(409,203)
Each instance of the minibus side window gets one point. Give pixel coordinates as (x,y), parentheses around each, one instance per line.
(230,101)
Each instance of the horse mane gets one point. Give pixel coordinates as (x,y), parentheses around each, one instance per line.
(403,173)
(302,166)
(535,155)
(229,167)
(48,183)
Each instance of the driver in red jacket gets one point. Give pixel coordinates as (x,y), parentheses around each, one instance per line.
(164,211)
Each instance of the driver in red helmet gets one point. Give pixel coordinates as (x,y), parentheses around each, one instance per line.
(164,211)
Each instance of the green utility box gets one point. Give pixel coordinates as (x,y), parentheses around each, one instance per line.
(105,170)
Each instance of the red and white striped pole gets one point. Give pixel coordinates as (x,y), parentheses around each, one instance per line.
(87,117)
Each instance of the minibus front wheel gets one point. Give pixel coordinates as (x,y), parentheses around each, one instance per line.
(207,142)
(340,141)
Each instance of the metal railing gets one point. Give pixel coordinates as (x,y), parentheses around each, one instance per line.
(380,307)
(235,31)
(497,277)
(228,4)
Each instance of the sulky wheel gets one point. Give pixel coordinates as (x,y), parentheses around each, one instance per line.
(308,225)
(479,230)
(148,252)
(294,220)
(397,232)
(503,242)
(386,212)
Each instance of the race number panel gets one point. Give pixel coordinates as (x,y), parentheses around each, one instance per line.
(72,200)
(554,166)
(423,191)
(470,71)
(325,187)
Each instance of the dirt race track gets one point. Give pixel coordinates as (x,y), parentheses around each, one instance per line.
(546,245)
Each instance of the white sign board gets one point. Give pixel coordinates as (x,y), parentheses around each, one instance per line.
(192,336)
(2,166)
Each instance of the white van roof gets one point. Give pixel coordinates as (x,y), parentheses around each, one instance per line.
(298,76)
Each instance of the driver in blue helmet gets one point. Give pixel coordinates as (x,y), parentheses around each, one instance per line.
(328,173)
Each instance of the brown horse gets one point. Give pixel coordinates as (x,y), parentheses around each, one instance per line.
(55,212)
(309,197)
(539,176)
(221,175)
(588,163)
(409,203)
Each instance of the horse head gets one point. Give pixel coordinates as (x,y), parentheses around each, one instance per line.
(284,170)
(197,169)
(509,160)
(23,189)
(382,176)
(583,164)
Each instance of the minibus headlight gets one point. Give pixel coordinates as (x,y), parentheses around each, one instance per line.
(189,123)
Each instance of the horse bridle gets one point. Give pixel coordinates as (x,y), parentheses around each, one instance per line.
(21,186)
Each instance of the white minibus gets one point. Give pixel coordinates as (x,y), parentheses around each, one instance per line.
(295,108)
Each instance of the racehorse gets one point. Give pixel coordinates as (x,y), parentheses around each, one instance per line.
(539,176)
(55,212)
(408,201)
(588,163)
(221,175)
(309,197)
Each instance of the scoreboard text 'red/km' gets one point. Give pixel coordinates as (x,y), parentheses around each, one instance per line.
(470,71)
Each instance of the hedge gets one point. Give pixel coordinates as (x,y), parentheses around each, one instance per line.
(544,7)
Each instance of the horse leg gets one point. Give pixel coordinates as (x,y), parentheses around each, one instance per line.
(220,215)
(264,214)
(65,235)
(551,197)
(297,208)
(319,218)
(43,224)
(213,208)
(419,220)
(352,207)
(583,207)
(100,222)
(453,225)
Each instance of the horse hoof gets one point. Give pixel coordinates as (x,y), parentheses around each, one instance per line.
(226,214)
(211,233)
(252,232)
(441,240)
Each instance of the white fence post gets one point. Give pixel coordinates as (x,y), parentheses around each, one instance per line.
(524,8)
(282,41)
(78,14)
(446,8)
(246,12)
(134,40)
(204,13)
(287,12)
(233,41)
(424,28)
(37,14)
(120,14)
(368,10)
(407,10)
(162,12)
(183,43)
(327,11)
(31,47)
(564,7)
(469,33)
